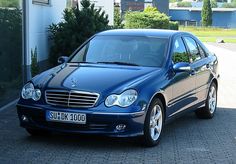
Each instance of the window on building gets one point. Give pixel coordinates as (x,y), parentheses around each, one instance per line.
(41,1)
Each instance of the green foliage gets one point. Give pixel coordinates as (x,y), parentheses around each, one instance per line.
(173,25)
(117,19)
(10,44)
(34,62)
(229,5)
(9,3)
(150,9)
(147,19)
(206,13)
(214,4)
(77,27)
(184,4)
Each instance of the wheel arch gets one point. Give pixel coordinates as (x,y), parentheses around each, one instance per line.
(214,80)
(160,96)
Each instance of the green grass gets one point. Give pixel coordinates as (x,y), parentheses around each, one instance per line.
(214,39)
(207,34)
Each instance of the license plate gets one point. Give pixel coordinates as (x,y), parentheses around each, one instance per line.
(66,117)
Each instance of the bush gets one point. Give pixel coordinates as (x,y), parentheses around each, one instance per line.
(149,18)
(11,44)
(34,62)
(184,4)
(77,27)
(173,25)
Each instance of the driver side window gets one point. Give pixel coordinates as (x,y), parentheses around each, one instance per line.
(179,52)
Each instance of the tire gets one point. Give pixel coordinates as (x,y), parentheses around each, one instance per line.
(209,110)
(153,123)
(38,132)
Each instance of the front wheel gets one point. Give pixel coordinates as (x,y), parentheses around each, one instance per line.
(208,111)
(153,123)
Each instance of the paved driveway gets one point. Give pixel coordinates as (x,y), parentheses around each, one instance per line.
(186,140)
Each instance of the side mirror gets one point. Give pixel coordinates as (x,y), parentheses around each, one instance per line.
(62,59)
(182,67)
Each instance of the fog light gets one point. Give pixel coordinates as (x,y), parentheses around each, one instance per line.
(120,127)
(24,118)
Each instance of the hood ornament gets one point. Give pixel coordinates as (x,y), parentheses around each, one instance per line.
(74,83)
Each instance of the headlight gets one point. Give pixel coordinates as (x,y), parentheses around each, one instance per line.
(123,100)
(28,92)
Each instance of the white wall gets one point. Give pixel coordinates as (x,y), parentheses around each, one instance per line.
(38,19)
(107,6)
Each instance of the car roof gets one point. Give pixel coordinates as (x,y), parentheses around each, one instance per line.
(140,32)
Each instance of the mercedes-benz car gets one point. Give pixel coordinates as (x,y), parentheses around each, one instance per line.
(123,83)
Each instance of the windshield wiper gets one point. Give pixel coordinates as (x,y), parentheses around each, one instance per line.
(119,63)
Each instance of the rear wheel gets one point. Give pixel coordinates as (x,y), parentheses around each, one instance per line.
(38,132)
(208,111)
(153,123)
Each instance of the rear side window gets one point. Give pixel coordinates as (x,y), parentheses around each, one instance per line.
(193,49)
(179,51)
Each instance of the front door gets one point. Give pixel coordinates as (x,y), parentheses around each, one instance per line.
(183,83)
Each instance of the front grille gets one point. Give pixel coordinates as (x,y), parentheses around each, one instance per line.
(73,99)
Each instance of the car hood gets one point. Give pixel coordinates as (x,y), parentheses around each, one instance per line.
(98,78)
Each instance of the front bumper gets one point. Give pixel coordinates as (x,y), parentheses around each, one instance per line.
(98,122)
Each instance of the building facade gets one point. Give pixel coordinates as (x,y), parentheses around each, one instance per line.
(221,17)
(162,6)
(139,5)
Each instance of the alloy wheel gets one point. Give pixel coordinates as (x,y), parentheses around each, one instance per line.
(155,122)
(212,99)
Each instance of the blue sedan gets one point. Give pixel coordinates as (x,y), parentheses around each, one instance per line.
(123,83)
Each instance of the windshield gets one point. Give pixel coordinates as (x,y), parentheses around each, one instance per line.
(124,50)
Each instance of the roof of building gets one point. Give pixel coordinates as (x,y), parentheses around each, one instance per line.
(140,32)
(200,9)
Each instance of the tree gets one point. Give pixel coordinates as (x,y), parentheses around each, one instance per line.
(77,27)
(149,18)
(206,13)
(184,4)
(117,19)
(214,4)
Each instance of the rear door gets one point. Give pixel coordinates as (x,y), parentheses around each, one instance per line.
(200,66)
